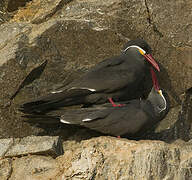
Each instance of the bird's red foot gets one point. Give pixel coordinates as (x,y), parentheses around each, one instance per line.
(115,105)
(118,105)
(118,136)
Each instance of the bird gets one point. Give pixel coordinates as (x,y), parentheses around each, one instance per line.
(132,119)
(119,78)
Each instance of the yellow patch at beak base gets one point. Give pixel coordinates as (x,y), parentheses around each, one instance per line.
(141,52)
(160,92)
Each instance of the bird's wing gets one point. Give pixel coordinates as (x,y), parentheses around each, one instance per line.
(123,120)
(128,119)
(114,61)
(110,75)
(54,100)
(116,121)
(84,115)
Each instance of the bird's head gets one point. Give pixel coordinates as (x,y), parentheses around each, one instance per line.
(157,97)
(144,49)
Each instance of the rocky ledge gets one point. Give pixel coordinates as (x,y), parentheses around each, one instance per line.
(100,158)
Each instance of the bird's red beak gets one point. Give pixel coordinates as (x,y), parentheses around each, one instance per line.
(152,61)
(155,81)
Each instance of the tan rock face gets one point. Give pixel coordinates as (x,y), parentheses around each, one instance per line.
(34,167)
(48,145)
(5,168)
(112,158)
(73,36)
(106,158)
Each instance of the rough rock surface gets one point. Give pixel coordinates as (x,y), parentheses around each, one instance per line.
(31,145)
(5,168)
(34,167)
(112,158)
(106,158)
(3,14)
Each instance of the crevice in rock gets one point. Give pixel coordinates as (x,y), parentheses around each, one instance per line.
(14,5)
(150,21)
(11,170)
(148,12)
(157,31)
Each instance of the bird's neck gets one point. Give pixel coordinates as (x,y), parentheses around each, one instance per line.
(149,108)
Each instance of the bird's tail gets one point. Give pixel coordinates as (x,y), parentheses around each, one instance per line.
(68,116)
(54,101)
(42,119)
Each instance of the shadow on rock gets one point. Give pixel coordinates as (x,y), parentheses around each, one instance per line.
(166,83)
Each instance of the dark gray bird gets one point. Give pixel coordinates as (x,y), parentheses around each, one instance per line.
(119,78)
(134,118)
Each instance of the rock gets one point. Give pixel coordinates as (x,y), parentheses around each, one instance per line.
(106,158)
(12,5)
(3,13)
(113,158)
(38,11)
(31,145)
(5,168)
(10,35)
(5,145)
(34,167)
(7,8)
